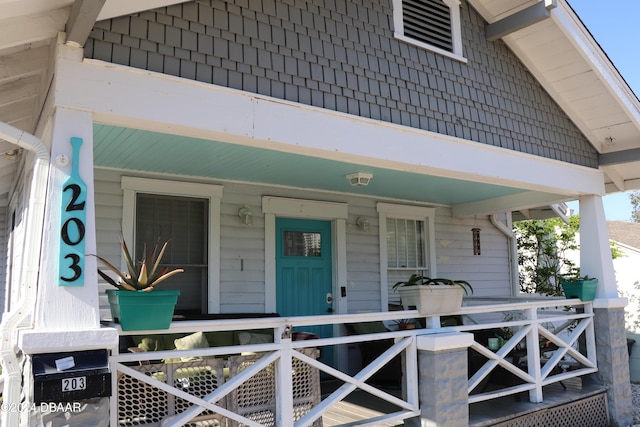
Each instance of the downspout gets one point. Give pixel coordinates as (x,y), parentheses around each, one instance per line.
(33,237)
(513,250)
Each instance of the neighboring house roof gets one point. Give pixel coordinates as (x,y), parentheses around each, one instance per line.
(547,37)
(626,233)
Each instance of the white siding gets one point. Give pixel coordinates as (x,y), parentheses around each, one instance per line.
(489,273)
(242,284)
(108,201)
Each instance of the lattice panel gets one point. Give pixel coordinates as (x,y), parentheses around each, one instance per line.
(589,412)
(306,386)
(141,404)
(199,378)
(256,399)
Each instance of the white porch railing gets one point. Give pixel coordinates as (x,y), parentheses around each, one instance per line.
(529,321)
(552,341)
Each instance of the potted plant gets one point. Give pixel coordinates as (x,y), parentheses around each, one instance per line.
(432,296)
(405,324)
(133,304)
(583,287)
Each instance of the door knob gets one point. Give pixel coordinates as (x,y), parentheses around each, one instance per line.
(329,298)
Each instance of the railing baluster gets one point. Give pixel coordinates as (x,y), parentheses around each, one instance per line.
(533,356)
(284,385)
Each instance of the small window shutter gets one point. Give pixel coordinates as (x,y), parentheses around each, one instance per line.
(428,21)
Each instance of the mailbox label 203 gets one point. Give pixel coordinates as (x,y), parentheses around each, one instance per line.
(73,384)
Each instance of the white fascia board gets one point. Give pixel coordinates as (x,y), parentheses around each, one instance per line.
(113,8)
(141,99)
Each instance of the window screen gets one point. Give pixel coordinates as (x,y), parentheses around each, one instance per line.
(183,221)
(405,252)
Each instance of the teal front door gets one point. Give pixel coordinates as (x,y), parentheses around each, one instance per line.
(303,272)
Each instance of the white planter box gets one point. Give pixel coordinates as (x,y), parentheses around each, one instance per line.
(432,300)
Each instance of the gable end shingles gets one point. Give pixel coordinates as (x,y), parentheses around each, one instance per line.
(345,58)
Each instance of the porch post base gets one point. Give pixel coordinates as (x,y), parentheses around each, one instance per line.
(613,362)
(442,380)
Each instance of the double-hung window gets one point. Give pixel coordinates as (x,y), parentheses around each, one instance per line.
(186,214)
(430,24)
(406,239)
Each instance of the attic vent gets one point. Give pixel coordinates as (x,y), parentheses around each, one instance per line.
(428,21)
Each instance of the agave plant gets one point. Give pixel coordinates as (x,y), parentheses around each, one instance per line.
(142,275)
(418,280)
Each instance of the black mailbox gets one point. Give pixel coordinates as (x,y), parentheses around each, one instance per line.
(72,376)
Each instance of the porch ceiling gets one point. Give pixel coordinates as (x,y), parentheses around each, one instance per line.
(139,150)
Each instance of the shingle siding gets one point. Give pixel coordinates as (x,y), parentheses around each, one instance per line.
(343,56)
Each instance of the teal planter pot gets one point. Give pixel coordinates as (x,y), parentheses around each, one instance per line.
(139,310)
(583,289)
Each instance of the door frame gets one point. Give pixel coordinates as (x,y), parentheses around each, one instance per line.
(337,213)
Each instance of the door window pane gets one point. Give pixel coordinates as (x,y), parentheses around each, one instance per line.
(301,243)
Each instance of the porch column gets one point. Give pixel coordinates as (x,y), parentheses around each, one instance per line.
(65,318)
(609,325)
(442,380)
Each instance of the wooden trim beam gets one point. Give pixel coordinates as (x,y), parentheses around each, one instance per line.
(515,202)
(619,157)
(84,14)
(520,20)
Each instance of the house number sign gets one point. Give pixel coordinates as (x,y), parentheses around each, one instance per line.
(72,225)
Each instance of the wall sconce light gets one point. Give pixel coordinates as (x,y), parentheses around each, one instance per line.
(359,179)
(363,223)
(246,215)
(476,240)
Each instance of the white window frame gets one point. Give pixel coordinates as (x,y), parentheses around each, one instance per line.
(131,186)
(456,31)
(417,213)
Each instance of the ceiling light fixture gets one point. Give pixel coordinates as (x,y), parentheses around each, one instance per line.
(359,179)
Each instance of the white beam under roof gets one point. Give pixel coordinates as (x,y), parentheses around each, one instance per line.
(82,19)
(123,96)
(522,201)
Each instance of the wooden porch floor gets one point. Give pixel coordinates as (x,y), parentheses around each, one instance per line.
(360,405)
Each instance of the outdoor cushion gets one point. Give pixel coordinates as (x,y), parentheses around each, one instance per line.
(156,342)
(245,338)
(195,340)
(221,338)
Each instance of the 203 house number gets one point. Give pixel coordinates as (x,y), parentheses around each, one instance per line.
(72,225)
(73,231)
(74,384)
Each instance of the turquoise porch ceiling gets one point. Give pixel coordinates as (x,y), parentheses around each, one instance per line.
(133,149)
